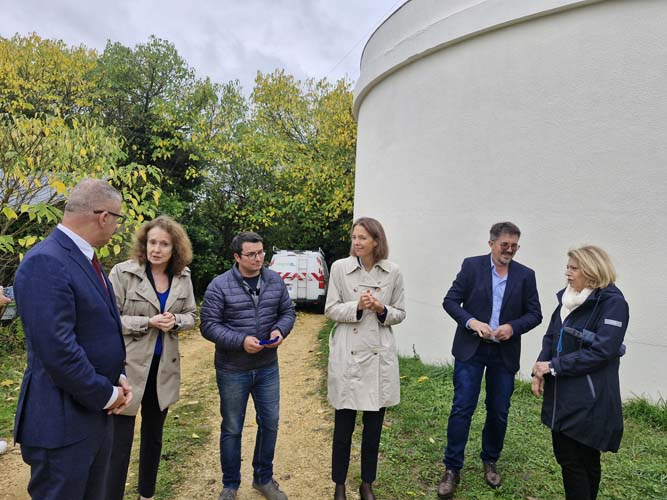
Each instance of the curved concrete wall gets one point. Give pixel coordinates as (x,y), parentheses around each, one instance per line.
(552,114)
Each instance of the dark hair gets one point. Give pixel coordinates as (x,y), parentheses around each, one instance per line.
(245,237)
(181,254)
(374,228)
(503,227)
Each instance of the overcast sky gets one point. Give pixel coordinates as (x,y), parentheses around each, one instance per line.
(222,39)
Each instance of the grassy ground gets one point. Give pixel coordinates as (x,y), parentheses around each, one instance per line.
(414,439)
(185,431)
(12,367)
(415,436)
(185,428)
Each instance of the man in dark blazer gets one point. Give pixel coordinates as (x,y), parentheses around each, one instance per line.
(494,302)
(73,380)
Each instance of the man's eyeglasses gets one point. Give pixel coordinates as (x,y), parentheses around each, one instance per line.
(254,255)
(120,218)
(505,245)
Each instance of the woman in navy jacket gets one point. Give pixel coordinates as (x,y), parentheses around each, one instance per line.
(577,370)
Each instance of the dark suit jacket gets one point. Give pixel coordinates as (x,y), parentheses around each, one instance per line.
(471,297)
(74,345)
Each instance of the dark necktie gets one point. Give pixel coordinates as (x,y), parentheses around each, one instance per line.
(98,270)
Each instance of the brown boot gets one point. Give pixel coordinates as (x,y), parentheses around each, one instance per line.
(491,474)
(448,484)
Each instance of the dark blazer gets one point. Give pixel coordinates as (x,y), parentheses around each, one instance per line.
(74,345)
(471,297)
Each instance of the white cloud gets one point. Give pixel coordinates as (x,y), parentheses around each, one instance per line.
(222,39)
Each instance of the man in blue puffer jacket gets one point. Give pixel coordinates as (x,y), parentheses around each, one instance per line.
(247,313)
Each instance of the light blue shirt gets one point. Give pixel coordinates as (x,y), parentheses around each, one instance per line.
(498,285)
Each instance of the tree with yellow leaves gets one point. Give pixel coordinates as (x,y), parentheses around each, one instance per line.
(49,140)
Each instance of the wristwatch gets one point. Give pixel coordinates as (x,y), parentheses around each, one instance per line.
(552,369)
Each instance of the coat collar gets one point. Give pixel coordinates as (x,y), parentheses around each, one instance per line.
(237,274)
(352,264)
(139,270)
(145,289)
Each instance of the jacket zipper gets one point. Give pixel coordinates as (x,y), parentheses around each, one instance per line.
(553,411)
(590,381)
(590,384)
(255,304)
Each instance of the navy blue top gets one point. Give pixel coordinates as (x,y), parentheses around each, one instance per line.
(162,297)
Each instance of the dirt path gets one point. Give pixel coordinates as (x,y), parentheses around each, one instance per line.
(14,474)
(302,461)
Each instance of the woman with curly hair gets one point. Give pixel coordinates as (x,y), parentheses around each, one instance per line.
(156,301)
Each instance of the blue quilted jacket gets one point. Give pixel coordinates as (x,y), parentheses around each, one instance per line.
(229,315)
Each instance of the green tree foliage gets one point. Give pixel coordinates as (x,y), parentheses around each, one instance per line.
(280,161)
(49,140)
(228,182)
(45,77)
(150,95)
(305,135)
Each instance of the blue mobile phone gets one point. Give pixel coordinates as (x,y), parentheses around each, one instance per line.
(9,292)
(268,341)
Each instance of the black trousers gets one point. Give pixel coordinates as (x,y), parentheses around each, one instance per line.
(580,465)
(342,442)
(150,448)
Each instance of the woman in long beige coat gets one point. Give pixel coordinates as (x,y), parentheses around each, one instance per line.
(156,301)
(365,298)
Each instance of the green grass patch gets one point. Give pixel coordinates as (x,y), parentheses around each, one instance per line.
(12,367)
(414,439)
(653,415)
(185,433)
(12,340)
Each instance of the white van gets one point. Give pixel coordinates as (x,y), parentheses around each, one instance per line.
(304,272)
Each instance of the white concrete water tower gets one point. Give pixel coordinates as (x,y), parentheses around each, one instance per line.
(548,113)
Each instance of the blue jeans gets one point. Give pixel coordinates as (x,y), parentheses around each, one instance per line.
(467,384)
(234,388)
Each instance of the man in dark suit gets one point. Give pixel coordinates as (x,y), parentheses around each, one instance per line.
(493,301)
(73,380)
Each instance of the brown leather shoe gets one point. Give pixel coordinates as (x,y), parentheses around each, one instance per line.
(448,484)
(491,474)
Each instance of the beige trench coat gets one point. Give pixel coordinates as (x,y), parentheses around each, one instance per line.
(363,360)
(137,303)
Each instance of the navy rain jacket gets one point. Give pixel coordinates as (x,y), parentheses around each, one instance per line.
(583,400)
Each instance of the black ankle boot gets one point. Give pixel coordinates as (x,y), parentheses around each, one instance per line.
(366,491)
(340,492)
